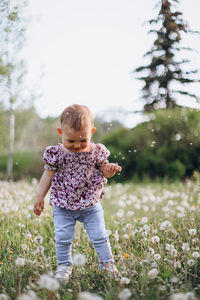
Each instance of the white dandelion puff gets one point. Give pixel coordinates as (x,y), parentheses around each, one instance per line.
(192,231)
(49,283)
(79,259)
(124,294)
(20,261)
(195,254)
(153,273)
(191,262)
(155,239)
(185,247)
(124,280)
(157,256)
(88,296)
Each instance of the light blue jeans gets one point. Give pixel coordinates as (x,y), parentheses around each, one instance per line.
(93,220)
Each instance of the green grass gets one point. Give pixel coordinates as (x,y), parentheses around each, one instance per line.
(135,217)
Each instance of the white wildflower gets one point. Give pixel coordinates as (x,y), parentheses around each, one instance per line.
(38,239)
(124,294)
(116,235)
(151,250)
(154,264)
(155,239)
(88,296)
(177,264)
(144,220)
(124,280)
(49,283)
(195,254)
(173,252)
(31,295)
(153,273)
(79,259)
(192,231)
(20,261)
(174,279)
(185,247)
(191,262)
(146,228)
(164,225)
(157,256)
(169,247)
(125,236)
(182,296)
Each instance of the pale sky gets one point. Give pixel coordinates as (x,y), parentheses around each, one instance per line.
(86,50)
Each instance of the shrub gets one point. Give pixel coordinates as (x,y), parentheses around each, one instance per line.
(167,146)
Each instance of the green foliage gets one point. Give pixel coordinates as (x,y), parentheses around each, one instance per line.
(167,146)
(26,165)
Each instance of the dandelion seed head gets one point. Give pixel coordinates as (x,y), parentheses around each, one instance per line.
(20,261)
(153,273)
(195,254)
(79,259)
(49,283)
(124,280)
(192,231)
(88,296)
(185,247)
(191,262)
(124,294)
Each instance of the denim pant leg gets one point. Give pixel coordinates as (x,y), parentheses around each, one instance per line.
(64,223)
(93,220)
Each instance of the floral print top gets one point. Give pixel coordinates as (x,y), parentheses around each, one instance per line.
(77,183)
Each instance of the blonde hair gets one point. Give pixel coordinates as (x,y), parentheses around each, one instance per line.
(76,116)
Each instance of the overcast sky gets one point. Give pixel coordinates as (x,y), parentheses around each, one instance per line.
(86,50)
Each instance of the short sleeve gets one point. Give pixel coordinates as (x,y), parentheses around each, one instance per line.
(50,158)
(102,154)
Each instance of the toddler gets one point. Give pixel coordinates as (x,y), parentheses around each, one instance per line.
(76,170)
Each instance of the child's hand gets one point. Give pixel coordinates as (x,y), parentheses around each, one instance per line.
(38,206)
(110,169)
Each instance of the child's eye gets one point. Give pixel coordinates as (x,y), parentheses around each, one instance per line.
(83,141)
(70,141)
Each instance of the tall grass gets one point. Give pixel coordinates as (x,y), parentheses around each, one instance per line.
(154,234)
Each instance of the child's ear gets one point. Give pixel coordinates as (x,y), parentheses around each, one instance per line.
(59,131)
(93,130)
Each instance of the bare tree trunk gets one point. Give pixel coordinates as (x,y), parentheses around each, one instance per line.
(11,146)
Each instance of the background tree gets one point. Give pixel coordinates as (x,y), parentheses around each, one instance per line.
(12,30)
(164,68)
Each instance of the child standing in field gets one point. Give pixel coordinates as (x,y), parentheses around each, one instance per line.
(76,170)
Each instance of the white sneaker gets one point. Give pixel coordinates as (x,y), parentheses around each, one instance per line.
(63,273)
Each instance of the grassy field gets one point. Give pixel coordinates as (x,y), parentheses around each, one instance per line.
(154,231)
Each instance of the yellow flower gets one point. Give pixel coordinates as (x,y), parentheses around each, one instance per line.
(11,251)
(84,250)
(126,255)
(139,219)
(1,263)
(112,217)
(40,258)
(178,229)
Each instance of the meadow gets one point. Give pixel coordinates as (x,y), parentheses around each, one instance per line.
(154,234)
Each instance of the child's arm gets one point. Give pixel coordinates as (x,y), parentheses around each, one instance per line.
(109,169)
(44,185)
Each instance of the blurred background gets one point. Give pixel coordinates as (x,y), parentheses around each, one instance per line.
(135,64)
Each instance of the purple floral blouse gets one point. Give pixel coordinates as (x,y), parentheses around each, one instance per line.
(77,183)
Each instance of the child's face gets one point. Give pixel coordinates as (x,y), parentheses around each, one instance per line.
(76,140)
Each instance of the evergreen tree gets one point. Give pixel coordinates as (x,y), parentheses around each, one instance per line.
(164,68)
